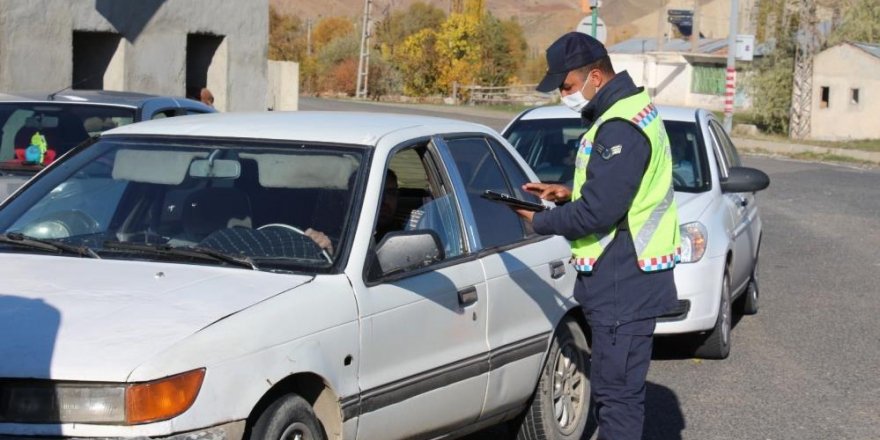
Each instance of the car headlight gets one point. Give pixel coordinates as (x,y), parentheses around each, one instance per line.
(80,402)
(694,240)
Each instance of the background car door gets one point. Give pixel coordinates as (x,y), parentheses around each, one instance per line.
(742,208)
(424,363)
(527,275)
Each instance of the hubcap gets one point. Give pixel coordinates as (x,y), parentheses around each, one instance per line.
(297,431)
(569,383)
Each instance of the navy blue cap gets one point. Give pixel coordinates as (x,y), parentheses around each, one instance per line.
(570,51)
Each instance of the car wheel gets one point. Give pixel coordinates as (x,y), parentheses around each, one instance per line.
(749,304)
(288,418)
(559,408)
(716,344)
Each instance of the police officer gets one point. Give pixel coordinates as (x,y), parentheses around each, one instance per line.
(621,221)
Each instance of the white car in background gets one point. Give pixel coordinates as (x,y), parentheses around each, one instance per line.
(717,208)
(159,283)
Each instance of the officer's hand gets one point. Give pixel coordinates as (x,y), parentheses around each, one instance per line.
(525,214)
(549,191)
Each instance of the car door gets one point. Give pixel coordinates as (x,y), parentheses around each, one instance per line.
(528,278)
(742,209)
(424,363)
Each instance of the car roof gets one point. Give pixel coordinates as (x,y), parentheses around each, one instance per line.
(667,112)
(353,128)
(131,99)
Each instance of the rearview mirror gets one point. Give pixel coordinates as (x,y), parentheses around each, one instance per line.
(402,251)
(216,168)
(743,179)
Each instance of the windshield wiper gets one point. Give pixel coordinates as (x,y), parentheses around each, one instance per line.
(19,239)
(191,252)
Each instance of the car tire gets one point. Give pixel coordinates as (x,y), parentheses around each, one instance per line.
(560,408)
(749,303)
(289,417)
(716,344)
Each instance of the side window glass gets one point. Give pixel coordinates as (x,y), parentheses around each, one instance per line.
(165,114)
(414,199)
(516,177)
(727,148)
(497,225)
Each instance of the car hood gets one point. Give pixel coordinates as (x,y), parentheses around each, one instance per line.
(67,318)
(691,205)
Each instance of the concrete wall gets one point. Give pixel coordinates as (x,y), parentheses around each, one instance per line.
(841,69)
(283,85)
(36,40)
(667,77)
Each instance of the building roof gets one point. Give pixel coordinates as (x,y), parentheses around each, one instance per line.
(872,49)
(707,46)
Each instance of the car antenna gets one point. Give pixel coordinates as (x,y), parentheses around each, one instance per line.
(51,96)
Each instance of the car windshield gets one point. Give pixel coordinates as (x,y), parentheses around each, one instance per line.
(549,146)
(62,126)
(166,199)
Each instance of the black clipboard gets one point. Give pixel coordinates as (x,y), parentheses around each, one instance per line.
(513,201)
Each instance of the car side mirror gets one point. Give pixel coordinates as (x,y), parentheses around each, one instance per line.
(743,179)
(403,251)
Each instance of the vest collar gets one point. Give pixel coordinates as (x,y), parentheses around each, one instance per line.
(619,87)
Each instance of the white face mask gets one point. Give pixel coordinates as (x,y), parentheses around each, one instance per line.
(576,100)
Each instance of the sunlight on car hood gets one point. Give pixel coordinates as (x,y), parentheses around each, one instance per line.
(85,319)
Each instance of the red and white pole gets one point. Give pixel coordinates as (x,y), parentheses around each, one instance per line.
(729,94)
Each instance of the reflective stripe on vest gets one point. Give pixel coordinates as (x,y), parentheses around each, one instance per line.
(652,217)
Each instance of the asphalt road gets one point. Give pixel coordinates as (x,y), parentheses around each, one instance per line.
(807,366)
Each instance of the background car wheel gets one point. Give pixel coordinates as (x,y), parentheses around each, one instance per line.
(716,344)
(559,409)
(749,303)
(288,418)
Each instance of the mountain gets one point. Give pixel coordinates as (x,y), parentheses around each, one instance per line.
(545,20)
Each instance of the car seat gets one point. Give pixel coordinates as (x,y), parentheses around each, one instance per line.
(210,209)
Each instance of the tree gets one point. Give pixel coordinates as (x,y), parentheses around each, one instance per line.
(286,37)
(394,29)
(417,62)
(503,47)
(330,28)
(860,23)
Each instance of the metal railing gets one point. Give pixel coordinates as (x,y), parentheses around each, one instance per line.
(524,94)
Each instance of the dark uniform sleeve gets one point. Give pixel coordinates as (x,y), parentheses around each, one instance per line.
(611,185)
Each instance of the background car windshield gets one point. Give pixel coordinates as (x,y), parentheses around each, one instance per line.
(549,146)
(243,200)
(63,125)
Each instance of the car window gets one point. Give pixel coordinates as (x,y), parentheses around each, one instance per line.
(689,169)
(63,126)
(167,113)
(548,146)
(421,202)
(244,199)
(731,157)
(497,225)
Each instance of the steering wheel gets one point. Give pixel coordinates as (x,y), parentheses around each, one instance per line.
(678,181)
(298,231)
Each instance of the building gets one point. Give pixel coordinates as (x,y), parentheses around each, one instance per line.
(677,73)
(846,92)
(167,47)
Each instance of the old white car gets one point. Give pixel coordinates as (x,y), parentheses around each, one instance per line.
(301,275)
(717,208)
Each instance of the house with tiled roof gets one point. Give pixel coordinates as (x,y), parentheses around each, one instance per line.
(846,92)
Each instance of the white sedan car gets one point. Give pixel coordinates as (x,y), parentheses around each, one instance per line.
(715,194)
(295,276)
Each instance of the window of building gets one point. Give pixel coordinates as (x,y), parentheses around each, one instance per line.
(97,60)
(854,96)
(826,93)
(708,80)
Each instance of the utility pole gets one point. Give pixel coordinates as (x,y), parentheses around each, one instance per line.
(661,25)
(802,80)
(695,27)
(730,86)
(364,59)
(309,36)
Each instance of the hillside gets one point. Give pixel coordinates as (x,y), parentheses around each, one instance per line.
(544,20)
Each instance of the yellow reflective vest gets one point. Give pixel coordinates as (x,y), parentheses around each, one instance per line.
(652,218)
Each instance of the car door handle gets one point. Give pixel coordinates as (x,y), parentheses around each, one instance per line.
(557,269)
(467,296)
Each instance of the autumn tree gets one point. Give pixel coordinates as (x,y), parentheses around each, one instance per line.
(286,37)
(417,62)
(860,22)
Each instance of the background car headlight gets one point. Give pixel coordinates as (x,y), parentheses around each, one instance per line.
(694,240)
(79,402)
